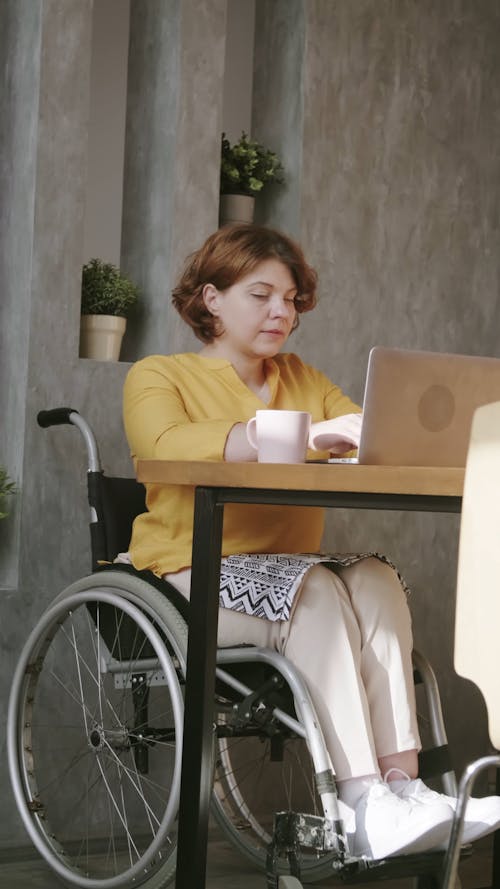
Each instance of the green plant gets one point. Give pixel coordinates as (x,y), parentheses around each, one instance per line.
(105,291)
(7,488)
(246,166)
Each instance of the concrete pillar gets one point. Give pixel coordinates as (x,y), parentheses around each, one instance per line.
(171,180)
(174,132)
(20,55)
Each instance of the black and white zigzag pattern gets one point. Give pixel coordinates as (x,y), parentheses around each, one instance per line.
(265,585)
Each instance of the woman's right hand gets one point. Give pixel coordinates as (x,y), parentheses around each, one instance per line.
(338,435)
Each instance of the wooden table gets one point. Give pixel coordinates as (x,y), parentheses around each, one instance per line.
(435,489)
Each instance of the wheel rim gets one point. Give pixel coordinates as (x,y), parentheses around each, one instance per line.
(76,764)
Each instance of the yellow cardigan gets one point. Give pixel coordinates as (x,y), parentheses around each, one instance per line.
(182,407)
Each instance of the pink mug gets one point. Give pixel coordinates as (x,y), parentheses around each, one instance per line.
(279,436)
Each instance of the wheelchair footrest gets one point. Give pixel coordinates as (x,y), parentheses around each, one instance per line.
(294,831)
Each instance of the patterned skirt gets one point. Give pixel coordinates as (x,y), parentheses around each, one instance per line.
(266,585)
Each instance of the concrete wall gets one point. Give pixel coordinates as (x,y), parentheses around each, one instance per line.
(20,44)
(386,116)
(106,133)
(238,68)
(45,51)
(391,137)
(170,199)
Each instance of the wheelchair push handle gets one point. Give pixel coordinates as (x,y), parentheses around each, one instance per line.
(58,416)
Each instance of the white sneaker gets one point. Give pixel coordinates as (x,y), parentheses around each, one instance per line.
(482,815)
(388,825)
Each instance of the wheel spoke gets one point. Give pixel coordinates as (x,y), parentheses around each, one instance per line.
(98,755)
(135,783)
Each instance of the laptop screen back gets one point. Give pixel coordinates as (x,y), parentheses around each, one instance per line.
(418,406)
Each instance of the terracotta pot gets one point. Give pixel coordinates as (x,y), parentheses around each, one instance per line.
(101,336)
(236,208)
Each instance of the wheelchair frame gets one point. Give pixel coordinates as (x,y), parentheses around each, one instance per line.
(311,844)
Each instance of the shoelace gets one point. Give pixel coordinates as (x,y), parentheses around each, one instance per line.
(403,775)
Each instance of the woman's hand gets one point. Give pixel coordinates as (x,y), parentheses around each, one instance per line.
(338,435)
(238,449)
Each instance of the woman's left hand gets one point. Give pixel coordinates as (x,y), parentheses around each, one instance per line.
(238,449)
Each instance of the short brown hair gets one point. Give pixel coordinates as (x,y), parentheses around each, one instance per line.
(232,252)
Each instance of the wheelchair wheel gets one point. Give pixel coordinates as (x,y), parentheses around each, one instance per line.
(95,733)
(255,778)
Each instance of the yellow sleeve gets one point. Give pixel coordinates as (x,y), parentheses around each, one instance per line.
(337,404)
(313,390)
(157,423)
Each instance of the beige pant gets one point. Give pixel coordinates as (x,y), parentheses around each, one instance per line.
(350,636)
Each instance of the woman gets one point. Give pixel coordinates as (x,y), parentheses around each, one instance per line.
(242,293)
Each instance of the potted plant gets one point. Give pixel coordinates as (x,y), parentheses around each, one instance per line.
(108,296)
(7,488)
(246,169)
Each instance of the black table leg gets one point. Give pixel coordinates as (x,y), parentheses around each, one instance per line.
(196,781)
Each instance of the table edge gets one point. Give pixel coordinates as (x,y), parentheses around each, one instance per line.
(414,480)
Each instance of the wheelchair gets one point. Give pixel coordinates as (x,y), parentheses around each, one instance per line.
(95,727)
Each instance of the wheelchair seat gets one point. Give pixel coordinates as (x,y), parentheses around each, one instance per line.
(95,729)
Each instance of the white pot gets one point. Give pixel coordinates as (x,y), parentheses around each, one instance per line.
(101,336)
(236,208)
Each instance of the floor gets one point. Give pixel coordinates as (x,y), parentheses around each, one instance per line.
(226,870)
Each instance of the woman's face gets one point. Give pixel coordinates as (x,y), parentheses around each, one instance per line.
(257,313)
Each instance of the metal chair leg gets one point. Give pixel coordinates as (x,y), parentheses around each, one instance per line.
(470,774)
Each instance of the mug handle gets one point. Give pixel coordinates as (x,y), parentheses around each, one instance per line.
(252,432)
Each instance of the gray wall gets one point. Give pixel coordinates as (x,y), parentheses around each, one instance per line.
(45,51)
(238,68)
(170,201)
(106,130)
(393,128)
(386,115)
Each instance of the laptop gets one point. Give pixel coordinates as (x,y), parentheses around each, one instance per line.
(418,406)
